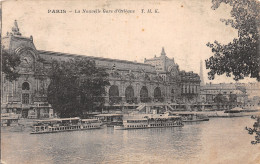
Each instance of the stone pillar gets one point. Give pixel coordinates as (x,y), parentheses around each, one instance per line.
(137,92)
(166,91)
(107,94)
(151,92)
(147,109)
(122,88)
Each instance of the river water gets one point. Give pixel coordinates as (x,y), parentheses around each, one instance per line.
(220,140)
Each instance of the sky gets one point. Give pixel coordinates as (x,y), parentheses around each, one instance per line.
(182,27)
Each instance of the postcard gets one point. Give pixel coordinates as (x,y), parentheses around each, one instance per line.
(142,81)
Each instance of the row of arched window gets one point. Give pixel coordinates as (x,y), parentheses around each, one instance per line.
(129,93)
(114,92)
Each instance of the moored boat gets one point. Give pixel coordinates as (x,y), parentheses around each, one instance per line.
(191,116)
(10,123)
(232,113)
(235,112)
(64,124)
(110,119)
(150,121)
(90,124)
(9,119)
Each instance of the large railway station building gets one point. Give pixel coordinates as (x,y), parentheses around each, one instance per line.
(157,80)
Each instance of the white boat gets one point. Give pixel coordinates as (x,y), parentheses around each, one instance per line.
(109,119)
(191,116)
(232,113)
(90,124)
(10,123)
(150,121)
(235,112)
(64,124)
(9,119)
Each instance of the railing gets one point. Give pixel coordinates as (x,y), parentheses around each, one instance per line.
(158,99)
(131,100)
(115,100)
(145,99)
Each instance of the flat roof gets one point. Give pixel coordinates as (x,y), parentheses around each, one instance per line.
(108,115)
(58,119)
(136,119)
(92,57)
(89,120)
(183,113)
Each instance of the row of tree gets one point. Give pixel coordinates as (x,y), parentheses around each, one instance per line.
(77,86)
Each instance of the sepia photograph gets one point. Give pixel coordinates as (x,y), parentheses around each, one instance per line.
(133,81)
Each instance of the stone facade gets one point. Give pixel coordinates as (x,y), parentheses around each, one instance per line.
(236,94)
(131,83)
(185,85)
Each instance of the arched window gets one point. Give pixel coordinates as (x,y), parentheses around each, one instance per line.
(129,94)
(157,93)
(25,86)
(114,94)
(144,94)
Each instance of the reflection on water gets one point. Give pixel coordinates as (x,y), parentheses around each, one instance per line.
(219,140)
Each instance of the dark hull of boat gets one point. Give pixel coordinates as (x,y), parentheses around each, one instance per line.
(128,128)
(196,120)
(68,130)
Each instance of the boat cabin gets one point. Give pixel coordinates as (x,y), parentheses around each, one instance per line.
(9,119)
(110,119)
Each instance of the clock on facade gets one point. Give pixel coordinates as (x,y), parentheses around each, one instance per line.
(173,71)
(27,61)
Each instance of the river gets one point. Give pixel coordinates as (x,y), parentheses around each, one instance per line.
(220,140)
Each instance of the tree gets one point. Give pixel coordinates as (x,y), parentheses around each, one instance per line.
(220,99)
(233,98)
(10,61)
(255,130)
(242,56)
(77,86)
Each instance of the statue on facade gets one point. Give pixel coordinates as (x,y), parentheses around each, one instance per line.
(15,29)
(114,73)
